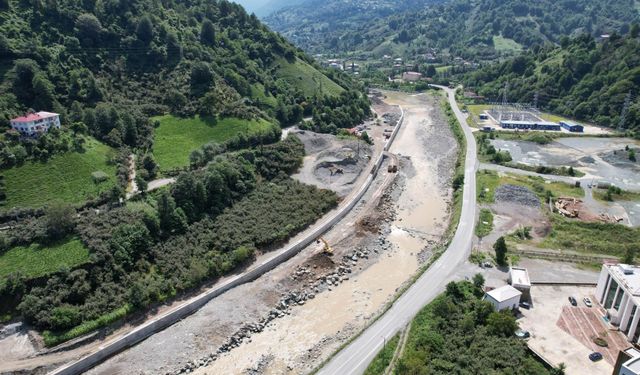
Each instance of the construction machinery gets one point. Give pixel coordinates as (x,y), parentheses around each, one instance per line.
(326,249)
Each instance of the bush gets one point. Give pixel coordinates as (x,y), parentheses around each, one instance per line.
(99,176)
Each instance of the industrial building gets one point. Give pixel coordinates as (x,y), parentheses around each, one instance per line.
(572,127)
(504,298)
(618,291)
(530,125)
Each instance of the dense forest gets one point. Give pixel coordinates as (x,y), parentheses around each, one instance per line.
(582,78)
(472,29)
(458,333)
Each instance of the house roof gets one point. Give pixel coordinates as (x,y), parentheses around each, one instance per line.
(34,116)
(504,293)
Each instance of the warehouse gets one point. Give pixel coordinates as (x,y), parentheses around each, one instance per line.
(530,125)
(572,127)
(504,298)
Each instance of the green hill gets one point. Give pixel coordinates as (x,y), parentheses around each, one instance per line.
(582,79)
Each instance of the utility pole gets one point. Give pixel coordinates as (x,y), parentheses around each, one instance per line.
(535,100)
(625,111)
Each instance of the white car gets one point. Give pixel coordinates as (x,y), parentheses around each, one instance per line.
(587,301)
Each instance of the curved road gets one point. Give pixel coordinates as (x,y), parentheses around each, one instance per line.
(355,358)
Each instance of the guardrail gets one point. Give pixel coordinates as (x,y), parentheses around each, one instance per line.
(191,306)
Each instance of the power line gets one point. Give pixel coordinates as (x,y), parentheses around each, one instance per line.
(625,111)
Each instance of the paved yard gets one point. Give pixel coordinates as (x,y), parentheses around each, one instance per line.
(585,324)
(544,321)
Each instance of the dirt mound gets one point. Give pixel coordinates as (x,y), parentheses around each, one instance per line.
(517,194)
(369,224)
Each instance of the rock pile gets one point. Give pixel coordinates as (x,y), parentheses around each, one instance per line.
(517,194)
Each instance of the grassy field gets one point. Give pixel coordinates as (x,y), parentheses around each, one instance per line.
(258,94)
(176,137)
(506,45)
(384,356)
(65,178)
(591,238)
(37,260)
(442,69)
(306,78)
(489,181)
(624,195)
(485,223)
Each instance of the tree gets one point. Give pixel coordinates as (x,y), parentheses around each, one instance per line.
(431,71)
(144,31)
(571,171)
(59,220)
(502,324)
(478,281)
(150,165)
(24,72)
(500,248)
(632,155)
(208,33)
(88,28)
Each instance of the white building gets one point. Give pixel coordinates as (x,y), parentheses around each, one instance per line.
(504,298)
(36,123)
(519,279)
(618,291)
(628,362)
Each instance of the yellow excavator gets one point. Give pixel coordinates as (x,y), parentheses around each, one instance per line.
(326,249)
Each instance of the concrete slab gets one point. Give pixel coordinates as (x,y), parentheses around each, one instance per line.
(553,343)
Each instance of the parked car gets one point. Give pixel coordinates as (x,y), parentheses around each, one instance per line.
(573,301)
(587,301)
(521,334)
(525,305)
(487,265)
(595,356)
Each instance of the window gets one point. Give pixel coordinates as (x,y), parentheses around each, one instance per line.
(633,314)
(618,299)
(610,294)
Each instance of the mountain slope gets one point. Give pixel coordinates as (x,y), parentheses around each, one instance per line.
(481,29)
(317,26)
(143,57)
(582,79)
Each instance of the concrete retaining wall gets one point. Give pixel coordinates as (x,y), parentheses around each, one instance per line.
(189,307)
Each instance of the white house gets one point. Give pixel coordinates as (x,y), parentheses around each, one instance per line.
(504,298)
(36,123)
(618,291)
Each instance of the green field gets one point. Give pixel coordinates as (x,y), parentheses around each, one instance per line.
(37,260)
(177,137)
(306,78)
(65,178)
(475,110)
(506,45)
(485,223)
(489,181)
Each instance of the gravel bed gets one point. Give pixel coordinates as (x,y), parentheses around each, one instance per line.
(517,194)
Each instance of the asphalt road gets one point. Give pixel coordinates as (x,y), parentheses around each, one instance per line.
(355,358)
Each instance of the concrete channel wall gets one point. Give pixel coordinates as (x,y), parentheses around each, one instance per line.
(140,333)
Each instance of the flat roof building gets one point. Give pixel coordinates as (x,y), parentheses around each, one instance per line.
(519,278)
(530,125)
(628,362)
(572,127)
(618,291)
(504,298)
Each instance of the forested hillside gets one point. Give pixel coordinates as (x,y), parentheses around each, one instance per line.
(584,79)
(320,27)
(479,29)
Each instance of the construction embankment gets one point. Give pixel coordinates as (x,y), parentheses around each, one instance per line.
(157,324)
